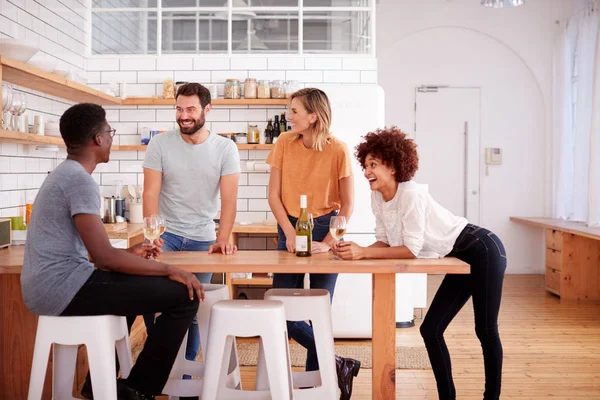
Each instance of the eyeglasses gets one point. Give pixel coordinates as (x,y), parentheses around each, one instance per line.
(112,132)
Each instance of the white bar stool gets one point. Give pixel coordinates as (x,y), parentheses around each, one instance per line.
(99,334)
(309,305)
(176,386)
(247,318)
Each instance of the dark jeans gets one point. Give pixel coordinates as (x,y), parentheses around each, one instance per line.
(179,243)
(300,331)
(484,251)
(111,293)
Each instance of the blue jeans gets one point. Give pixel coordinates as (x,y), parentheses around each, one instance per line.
(300,331)
(179,243)
(484,251)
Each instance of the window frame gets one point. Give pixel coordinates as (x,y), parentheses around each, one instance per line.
(300,9)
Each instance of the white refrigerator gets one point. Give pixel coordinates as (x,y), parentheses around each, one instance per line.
(357,110)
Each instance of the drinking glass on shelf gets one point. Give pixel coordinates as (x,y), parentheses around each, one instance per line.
(7,98)
(151,231)
(337,229)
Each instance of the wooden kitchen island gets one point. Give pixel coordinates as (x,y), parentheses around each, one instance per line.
(18,325)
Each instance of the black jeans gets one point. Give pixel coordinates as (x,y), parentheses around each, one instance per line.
(111,293)
(484,251)
(300,331)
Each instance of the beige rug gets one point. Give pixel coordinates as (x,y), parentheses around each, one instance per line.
(406,357)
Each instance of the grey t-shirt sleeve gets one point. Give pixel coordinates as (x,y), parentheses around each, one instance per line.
(153,159)
(82,195)
(231,160)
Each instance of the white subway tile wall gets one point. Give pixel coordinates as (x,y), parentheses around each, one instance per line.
(22,168)
(59,30)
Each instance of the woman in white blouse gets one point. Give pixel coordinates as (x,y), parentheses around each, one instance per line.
(410,224)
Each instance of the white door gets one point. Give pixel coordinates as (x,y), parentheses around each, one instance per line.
(447,132)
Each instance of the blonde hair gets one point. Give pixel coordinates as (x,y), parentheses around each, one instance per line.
(316,101)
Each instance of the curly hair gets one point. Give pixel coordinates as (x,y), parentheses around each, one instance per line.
(393,148)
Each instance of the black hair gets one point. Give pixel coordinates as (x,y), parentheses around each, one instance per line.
(80,123)
(195,89)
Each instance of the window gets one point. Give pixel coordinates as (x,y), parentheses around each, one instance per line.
(232,26)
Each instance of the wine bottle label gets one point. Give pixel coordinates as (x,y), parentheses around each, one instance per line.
(301,243)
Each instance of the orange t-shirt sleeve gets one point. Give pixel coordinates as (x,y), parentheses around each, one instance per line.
(344,162)
(275,157)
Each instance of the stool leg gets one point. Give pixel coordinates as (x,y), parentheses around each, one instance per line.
(262,379)
(101,356)
(325,353)
(234,378)
(38,368)
(64,359)
(277,358)
(124,354)
(213,366)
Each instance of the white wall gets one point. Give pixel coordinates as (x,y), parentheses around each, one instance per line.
(508,54)
(58,29)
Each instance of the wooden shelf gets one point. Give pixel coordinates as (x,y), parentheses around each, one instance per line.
(29,138)
(34,78)
(143,147)
(254,146)
(155,101)
(258,281)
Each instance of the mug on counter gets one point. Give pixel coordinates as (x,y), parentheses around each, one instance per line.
(136,213)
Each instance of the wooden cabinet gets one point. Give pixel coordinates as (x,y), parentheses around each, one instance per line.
(554,260)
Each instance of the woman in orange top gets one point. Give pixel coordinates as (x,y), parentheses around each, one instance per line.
(310,160)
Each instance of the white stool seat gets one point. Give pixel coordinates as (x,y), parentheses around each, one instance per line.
(309,305)
(248,318)
(176,386)
(99,334)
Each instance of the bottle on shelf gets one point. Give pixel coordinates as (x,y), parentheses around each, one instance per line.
(303,230)
(269,133)
(276,130)
(282,123)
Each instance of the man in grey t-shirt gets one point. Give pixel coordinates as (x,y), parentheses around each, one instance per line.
(58,277)
(184,171)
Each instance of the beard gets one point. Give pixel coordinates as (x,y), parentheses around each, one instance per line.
(196,125)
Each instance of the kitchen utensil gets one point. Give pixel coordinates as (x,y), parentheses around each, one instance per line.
(110,210)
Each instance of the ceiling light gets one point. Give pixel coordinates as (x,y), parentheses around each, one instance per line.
(502,3)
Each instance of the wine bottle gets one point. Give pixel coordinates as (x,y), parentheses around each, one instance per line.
(282,123)
(303,230)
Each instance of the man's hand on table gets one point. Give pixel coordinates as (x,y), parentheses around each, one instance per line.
(223,248)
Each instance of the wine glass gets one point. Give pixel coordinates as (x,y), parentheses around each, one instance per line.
(337,229)
(7,98)
(151,231)
(162,224)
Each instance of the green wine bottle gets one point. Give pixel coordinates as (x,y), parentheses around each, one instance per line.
(303,230)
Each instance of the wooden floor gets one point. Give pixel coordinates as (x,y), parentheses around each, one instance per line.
(551,350)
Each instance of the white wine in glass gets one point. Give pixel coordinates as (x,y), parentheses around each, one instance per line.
(337,229)
(151,230)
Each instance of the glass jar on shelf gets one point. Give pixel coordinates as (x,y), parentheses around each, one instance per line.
(253,134)
(264,90)
(250,88)
(277,90)
(291,87)
(233,89)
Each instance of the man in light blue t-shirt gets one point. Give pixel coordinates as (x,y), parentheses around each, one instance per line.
(184,171)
